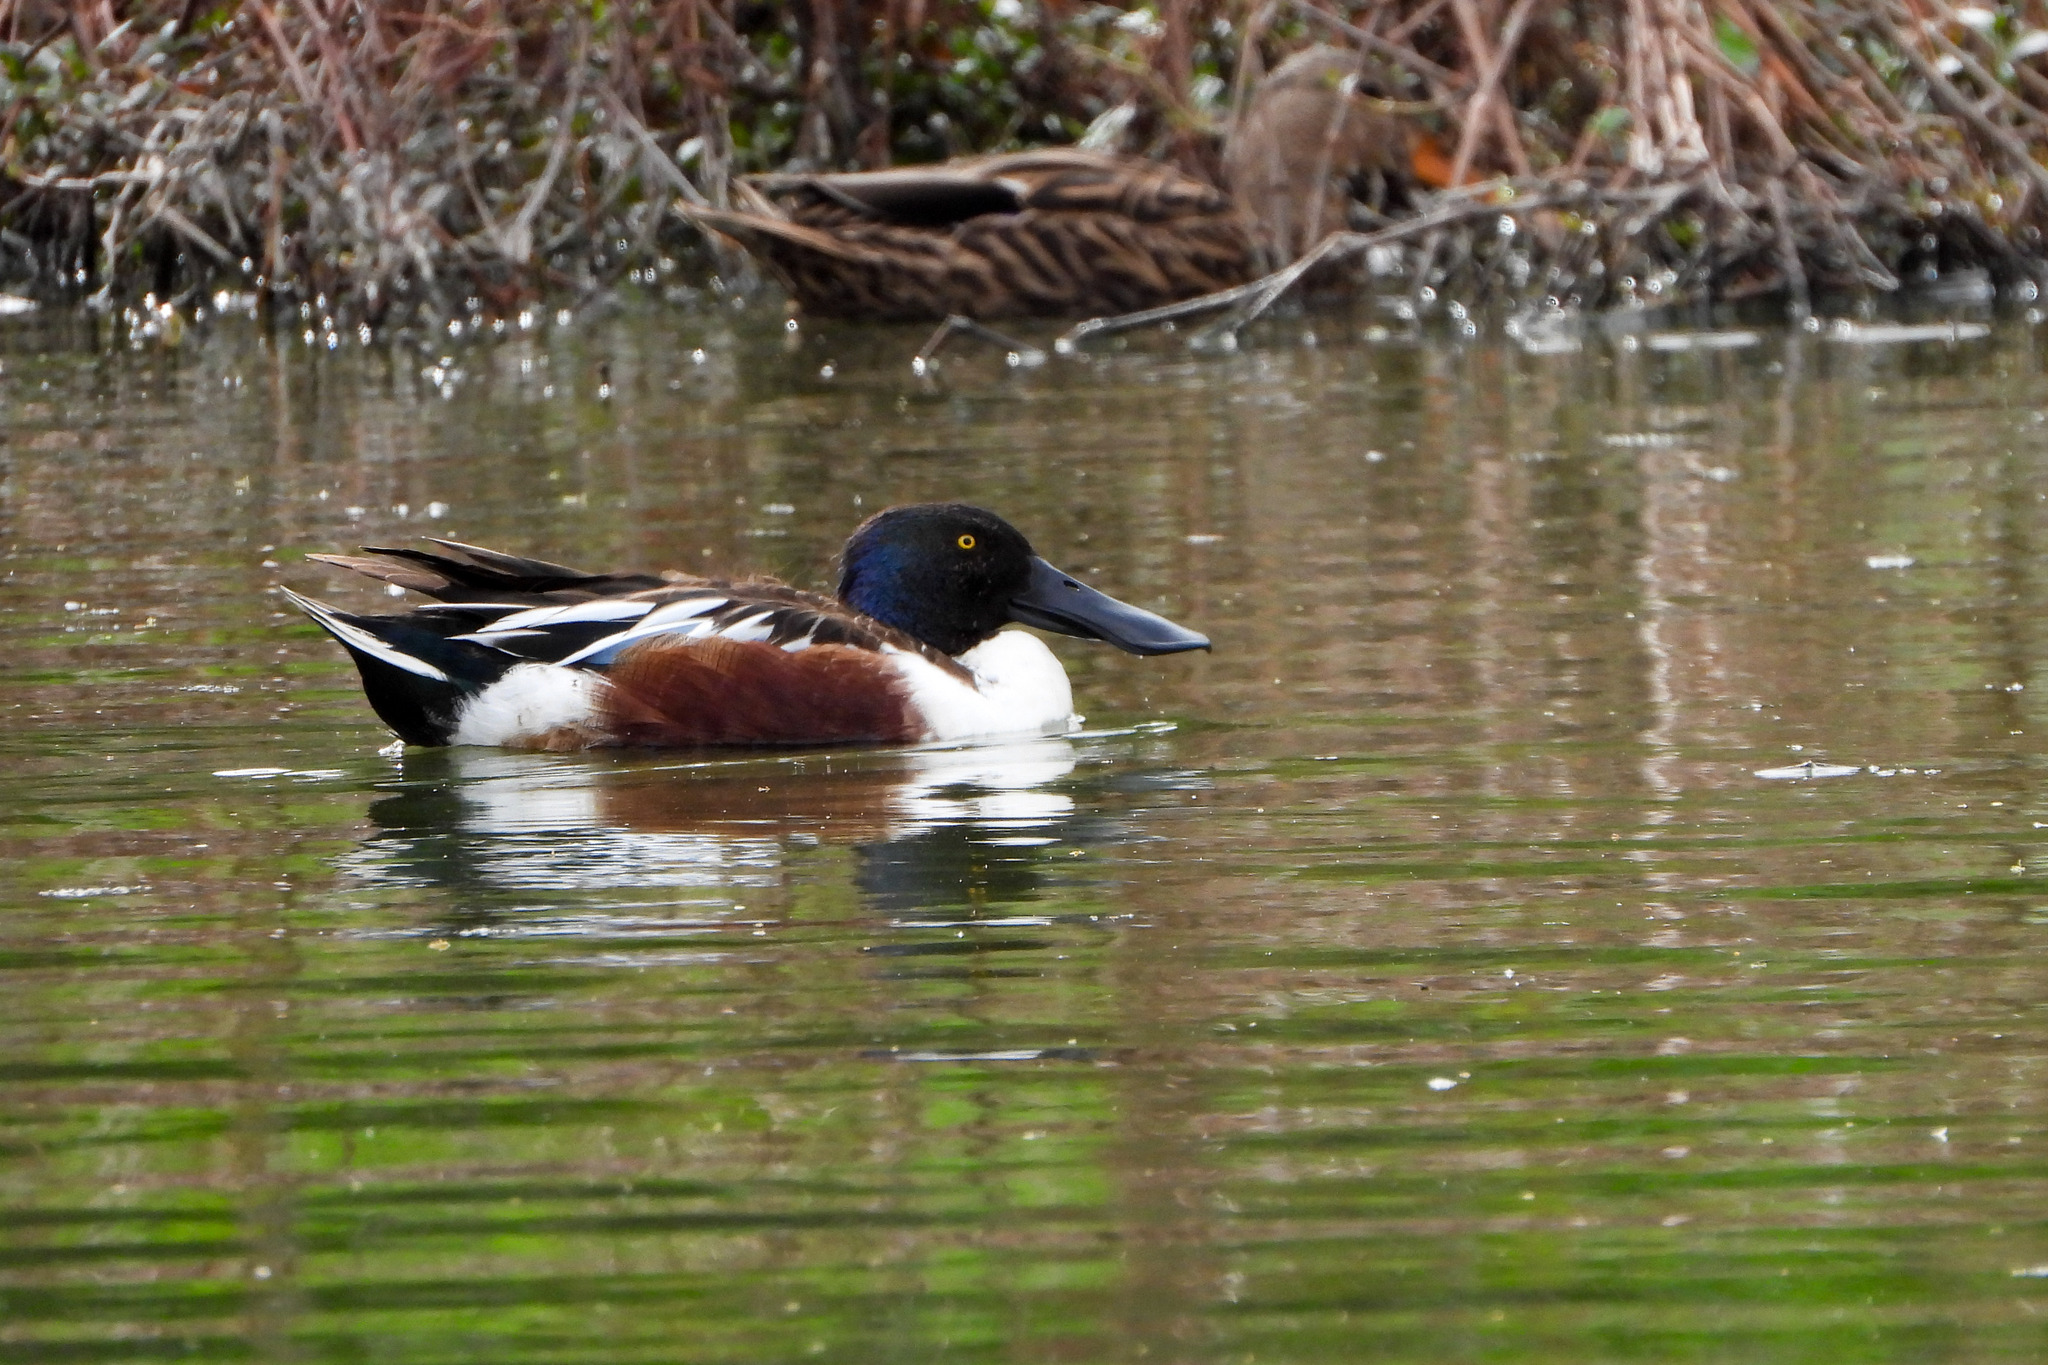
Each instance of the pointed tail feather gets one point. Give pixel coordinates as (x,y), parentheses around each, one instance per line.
(416,678)
(471,573)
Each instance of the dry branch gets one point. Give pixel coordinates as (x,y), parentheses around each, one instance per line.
(414,155)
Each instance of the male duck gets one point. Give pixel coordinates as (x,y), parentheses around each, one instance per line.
(1060,232)
(533,655)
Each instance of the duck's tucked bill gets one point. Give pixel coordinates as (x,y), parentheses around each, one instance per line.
(522,652)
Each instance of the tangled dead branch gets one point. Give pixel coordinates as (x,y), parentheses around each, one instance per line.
(449,156)
(1663,149)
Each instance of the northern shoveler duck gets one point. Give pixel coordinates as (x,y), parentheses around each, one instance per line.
(1061,232)
(1053,233)
(534,655)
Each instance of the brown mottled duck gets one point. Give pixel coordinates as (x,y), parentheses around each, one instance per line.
(1061,232)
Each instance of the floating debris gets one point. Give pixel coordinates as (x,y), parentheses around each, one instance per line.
(1894,333)
(1889,561)
(1801,771)
(1545,334)
(994,922)
(1020,1054)
(1700,341)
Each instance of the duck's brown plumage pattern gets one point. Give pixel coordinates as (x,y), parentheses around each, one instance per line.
(1062,232)
(747,692)
(1083,232)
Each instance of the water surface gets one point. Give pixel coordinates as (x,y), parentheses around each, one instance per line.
(1428,974)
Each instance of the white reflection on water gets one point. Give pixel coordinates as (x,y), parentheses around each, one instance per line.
(997,786)
(533,822)
(1000,785)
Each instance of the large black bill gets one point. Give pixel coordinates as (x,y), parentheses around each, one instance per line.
(1052,601)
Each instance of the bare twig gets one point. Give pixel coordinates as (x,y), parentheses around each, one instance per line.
(1021,352)
(1247,57)
(287,52)
(1263,293)
(1415,21)
(1993,88)
(1711,63)
(1788,250)
(1422,66)
(1482,103)
(1959,104)
(516,240)
(192,233)
(653,156)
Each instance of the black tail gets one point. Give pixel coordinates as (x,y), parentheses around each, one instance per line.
(470,573)
(416,677)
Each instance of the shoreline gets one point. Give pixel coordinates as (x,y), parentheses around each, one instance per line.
(392,165)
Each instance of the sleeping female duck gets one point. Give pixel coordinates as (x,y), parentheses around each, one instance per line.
(534,655)
(1061,232)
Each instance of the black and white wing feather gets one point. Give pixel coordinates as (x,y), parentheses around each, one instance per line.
(593,635)
(534,611)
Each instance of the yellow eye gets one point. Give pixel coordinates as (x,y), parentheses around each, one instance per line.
(965,542)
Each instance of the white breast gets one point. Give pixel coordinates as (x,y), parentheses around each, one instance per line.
(1019,688)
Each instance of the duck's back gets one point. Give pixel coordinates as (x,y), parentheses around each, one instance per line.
(1049,233)
(1048,179)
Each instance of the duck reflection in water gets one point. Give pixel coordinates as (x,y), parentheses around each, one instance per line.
(960,828)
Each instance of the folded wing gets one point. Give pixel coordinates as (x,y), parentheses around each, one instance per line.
(523,652)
